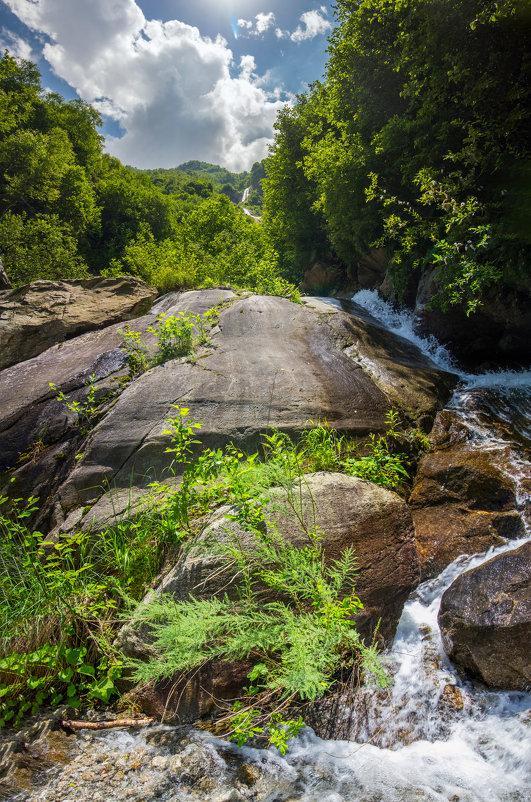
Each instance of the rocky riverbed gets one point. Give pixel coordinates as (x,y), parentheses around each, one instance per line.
(439,734)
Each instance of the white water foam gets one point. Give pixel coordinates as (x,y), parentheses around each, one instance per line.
(481,754)
(402,322)
(503,395)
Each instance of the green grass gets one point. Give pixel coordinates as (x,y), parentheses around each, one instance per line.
(58,597)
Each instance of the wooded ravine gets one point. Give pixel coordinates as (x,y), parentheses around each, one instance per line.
(265,436)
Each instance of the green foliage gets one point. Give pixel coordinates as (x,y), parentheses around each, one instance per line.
(414,141)
(88,411)
(67,209)
(58,605)
(215,244)
(52,675)
(322,448)
(59,599)
(38,248)
(297,644)
(47,201)
(300,643)
(135,351)
(174,335)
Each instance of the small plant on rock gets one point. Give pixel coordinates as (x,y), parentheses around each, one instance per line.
(174,334)
(135,352)
(88,411)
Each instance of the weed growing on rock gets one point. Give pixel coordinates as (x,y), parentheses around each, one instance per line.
(298,643)
(135,351)
(176,337)
(88,411)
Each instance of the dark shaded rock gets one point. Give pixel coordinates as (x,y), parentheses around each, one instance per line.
(320,278)
(498,333)
(371,268)
(462,502)
(349,512)
(45,313)
(485,620)
(191,696)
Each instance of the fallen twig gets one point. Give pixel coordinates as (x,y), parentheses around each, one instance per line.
(106,725)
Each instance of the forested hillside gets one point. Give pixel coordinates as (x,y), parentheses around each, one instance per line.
(68,210)
(417,140)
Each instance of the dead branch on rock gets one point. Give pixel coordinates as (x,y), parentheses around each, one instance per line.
(106,725)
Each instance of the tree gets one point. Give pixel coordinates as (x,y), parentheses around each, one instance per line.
(295,227)
(413,141)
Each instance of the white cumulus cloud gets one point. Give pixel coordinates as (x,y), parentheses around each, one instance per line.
(313,24)
(260,25)
(16,45)
(175,92)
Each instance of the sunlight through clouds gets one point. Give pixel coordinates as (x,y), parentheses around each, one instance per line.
(175,93)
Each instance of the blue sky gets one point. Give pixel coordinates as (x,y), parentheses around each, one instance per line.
(175,79)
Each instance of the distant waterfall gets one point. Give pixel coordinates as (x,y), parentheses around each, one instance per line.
(245,196)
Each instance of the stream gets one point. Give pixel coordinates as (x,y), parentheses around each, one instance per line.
(434,736)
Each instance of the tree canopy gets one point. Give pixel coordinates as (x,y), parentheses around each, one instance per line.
(417,139)
(67,209)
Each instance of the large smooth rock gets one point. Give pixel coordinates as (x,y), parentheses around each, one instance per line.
(45,313)
(349,512)
(270,363)
(37,441)
(463,502)
(410,380)
(485,620)
(273,364)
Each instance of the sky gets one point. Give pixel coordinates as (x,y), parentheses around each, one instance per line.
(175,79)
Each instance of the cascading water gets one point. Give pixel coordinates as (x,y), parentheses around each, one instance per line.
(434,735)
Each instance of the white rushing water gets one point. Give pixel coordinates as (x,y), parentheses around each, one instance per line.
(494,405)
(434,736)
(480,753)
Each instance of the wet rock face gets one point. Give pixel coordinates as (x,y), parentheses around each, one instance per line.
(45,313)
(462,502)
(350,512)
(498,333)
(485,620)
(408,378)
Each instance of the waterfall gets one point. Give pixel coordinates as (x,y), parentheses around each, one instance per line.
(434,736)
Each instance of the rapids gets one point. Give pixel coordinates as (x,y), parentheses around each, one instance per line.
(435,735)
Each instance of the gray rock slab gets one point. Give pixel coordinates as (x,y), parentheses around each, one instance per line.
(272,364)
(44,313)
